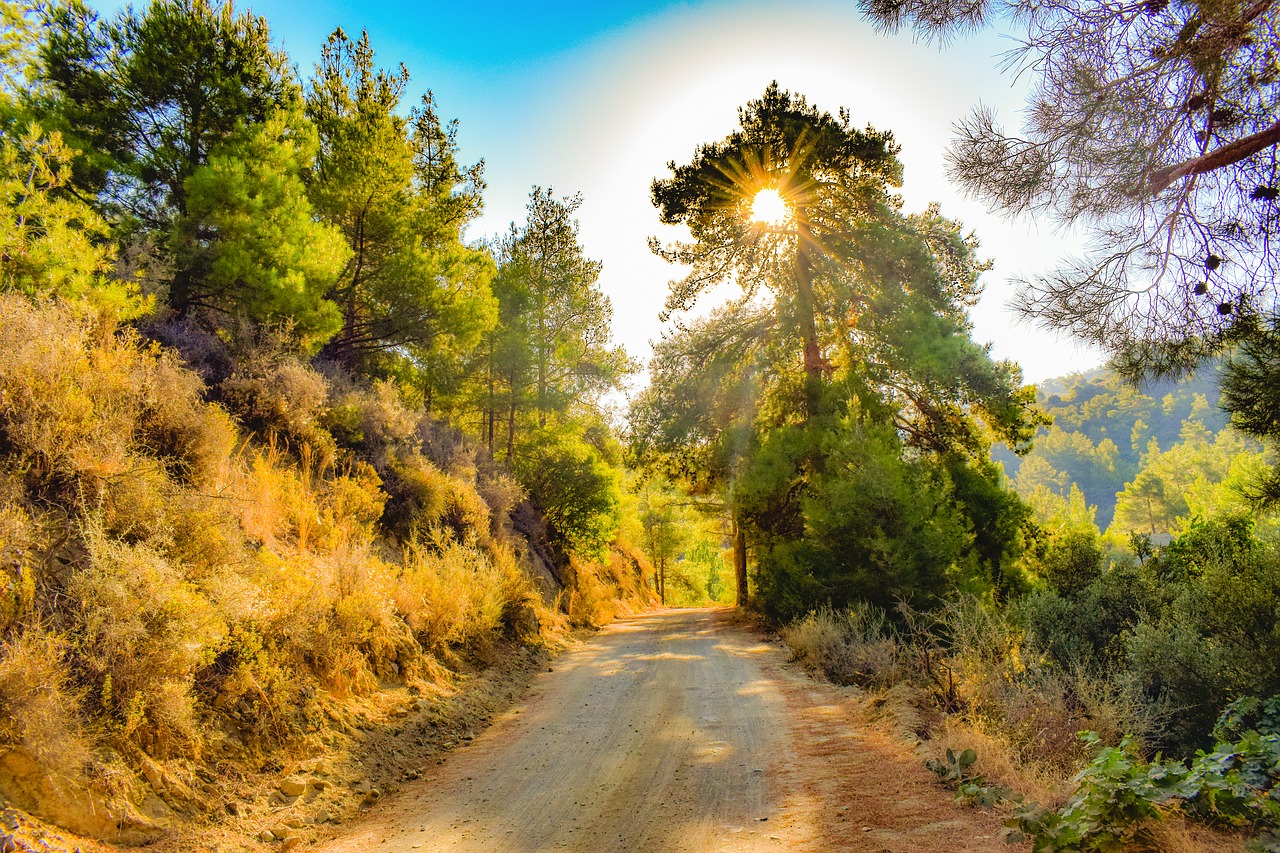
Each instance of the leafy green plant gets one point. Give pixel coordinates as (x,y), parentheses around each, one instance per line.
(971,789)
(1235,784)
(1114,795)
(955,768)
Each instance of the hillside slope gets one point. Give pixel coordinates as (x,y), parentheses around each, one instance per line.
(200,594)
(1102,429)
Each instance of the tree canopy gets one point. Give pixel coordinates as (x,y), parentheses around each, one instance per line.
(886,386)
(1153,127)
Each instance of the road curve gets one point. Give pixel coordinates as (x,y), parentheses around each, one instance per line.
(674,731)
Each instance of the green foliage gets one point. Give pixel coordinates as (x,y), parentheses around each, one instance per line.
(707,561)
(892,532)
(577,491)
(551,349)
(955,768)
(1114,795)
(1248,393)
(1234,784)
(1072,562)
(191,141)
(51,242)
(547,363)
(1092,625)
(664,533)
(1148,456)
(414,299)
(18,46)
(151,94)
(1190,628)
(1216,636)
(250,237)
(694,421)
(1201,475)
(956,771)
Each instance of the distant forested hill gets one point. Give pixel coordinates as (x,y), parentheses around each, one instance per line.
(1103,431)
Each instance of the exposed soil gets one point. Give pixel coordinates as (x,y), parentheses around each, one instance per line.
(677,731)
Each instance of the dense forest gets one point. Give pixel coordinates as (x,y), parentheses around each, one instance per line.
(279,438)
(1146,458)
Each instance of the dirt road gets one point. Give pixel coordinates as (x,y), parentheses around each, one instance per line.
(677,731)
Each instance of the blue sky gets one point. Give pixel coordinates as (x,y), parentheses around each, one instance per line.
(597,97)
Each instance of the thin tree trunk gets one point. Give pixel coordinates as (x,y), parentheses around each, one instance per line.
(492,400)
(511,434)
(808,322)
(740,561)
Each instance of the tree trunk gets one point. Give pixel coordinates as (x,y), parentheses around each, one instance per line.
(511,434)
(662,582)
(740,561)
(492,400)
(808,323)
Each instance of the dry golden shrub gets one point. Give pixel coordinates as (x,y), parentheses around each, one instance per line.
(1173,833)
(18,558)
(69,399)
(501,494)
(194,438)
(1040,722)
(135,505)
(248,677)
(592,599)
(211,601)
(524,613)
(205,534)
(355,503)
(279,397)
(374,419)
(424,499)
(999,761)
(142,632)
(453,595)
(855,646)
(418,495)
(357,614)
(82,407)
(39,712)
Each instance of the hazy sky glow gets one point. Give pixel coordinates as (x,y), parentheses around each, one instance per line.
(597,97)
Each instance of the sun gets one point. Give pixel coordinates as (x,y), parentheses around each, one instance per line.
(770,208)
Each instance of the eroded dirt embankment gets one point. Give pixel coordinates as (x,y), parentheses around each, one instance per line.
(677,731)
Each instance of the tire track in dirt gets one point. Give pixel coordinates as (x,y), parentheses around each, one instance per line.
(676,731)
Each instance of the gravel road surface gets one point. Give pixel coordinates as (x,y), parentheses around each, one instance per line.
(676,731)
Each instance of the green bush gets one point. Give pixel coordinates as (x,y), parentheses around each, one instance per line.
(1072,561)
(1091,627)
(863,525)
(1217,637)
(578,492)
(1118,794)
